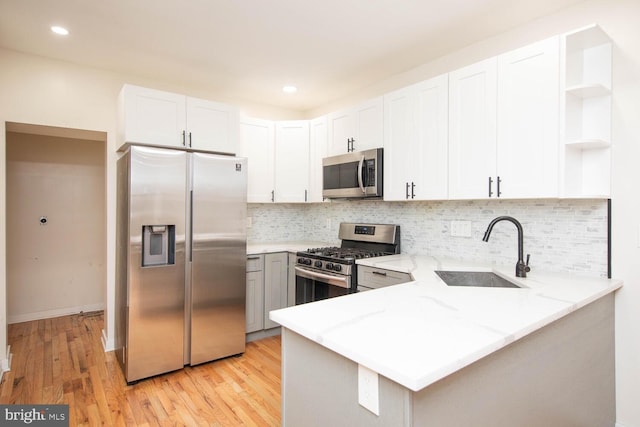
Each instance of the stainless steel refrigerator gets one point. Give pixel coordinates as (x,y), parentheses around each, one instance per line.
(180,263)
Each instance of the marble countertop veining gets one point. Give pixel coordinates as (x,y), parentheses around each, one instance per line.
(419,332)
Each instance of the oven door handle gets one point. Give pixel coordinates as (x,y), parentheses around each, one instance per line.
(360,180)
(342,282)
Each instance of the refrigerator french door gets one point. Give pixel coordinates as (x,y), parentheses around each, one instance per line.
(181,253)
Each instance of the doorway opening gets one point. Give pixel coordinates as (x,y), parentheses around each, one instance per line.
(56,221)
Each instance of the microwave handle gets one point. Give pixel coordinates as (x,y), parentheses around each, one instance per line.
(360,182)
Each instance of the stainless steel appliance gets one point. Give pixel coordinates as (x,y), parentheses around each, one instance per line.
(353,175)
(181,255)
(323,273)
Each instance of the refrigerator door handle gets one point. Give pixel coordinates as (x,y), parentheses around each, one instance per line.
(191,226)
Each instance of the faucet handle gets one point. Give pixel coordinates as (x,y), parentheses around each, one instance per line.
(527,268)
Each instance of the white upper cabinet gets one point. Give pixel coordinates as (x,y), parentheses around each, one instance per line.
(149,116)
(278,160)
(257,143)
(153,117)
(472,130)
(415,141)
(504,125)
(528,120)
(292,161)
(317,151)
(356,129)
(212,126)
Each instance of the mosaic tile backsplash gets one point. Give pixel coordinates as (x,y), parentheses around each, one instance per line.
(560,235)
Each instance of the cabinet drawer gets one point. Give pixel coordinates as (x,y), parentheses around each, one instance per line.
(377,277)
(255,263)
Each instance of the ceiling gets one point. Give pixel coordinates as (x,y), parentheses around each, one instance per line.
(249,49)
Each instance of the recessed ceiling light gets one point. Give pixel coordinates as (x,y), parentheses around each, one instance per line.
(60,30)
(289,89)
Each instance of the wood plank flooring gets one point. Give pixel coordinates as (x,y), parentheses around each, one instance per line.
(62,361)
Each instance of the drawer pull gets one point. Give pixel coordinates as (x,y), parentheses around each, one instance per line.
(251,258)
(379,273)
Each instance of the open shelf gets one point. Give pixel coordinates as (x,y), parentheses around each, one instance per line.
(588,90)
(587,113)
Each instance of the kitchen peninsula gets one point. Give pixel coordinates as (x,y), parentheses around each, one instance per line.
(453,356)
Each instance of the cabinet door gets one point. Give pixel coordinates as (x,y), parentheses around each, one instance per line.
(317,151)
(154,117)
(255,301)
(472,130)
(212,126)
(430,152)
(415,145)
(528,120)
(275,285)
(399,142)
(362,123)
(340,125)
(257,144)
(292,161)
(368,125)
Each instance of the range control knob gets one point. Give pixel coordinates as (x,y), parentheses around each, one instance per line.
(318,264)
(337,267)
(329,266)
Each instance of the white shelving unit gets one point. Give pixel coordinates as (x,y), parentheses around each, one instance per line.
(587,113)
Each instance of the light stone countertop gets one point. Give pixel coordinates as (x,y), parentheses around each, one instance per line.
(257,248)
(419,332)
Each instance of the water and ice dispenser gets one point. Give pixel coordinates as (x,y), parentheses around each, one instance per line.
(158,245)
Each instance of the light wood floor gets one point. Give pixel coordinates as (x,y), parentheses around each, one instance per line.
(62,361)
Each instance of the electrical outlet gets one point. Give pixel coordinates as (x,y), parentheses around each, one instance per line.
(249,222)
(368,389)
(461,228)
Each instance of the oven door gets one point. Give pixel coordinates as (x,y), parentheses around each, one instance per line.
(313,285)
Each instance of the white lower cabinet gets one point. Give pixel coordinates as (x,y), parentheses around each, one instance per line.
(267,289)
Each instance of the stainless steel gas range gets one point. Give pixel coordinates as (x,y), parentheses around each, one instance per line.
(323,273)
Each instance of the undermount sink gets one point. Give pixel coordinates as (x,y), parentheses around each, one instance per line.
(485,279)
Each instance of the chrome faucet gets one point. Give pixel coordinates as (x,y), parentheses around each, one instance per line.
(521,267)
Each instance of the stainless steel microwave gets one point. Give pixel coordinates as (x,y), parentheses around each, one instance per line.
(353,175)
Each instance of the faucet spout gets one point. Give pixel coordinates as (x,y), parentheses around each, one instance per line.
(521,267)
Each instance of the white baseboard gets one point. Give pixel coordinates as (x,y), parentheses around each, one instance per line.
(107,344)
(27,317)
(622,425)
(5,364)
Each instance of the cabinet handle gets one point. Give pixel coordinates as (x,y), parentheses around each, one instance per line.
(490,186)
(498,185)
(413,187)
(189,139)
(253,258)
(379,273)
(305,195)
(273,199)
(407,191)
(184,138)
